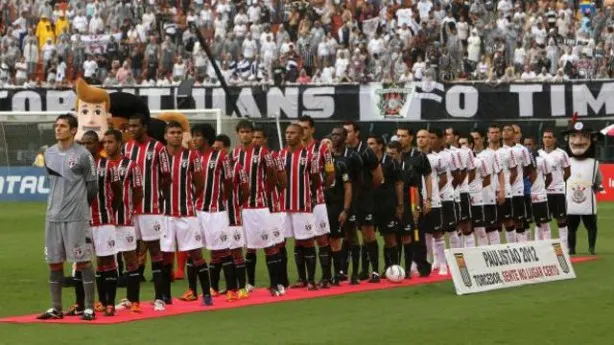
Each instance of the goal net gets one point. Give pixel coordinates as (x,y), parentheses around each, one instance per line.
(24,134)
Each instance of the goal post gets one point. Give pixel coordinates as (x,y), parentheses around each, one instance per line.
(23,133)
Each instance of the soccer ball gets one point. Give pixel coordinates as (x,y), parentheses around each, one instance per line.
(395,274)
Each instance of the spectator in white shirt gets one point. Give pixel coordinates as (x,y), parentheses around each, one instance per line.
(96,25)
(341,65)
(80,23)
(21,72)
(424,7)
(418,69)
(179,69)
(250,48)
(528,74)
(89,68)
(269,51)
(540,34)
(253,13)
(520,56)
(48,50)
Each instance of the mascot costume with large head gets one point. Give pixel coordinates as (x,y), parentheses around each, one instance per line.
(92,109)
(583,183)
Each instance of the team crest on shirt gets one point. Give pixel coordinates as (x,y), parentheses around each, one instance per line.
(212,164)
(462,267)
(323,225)
(578,195)
(111,243)
(276,232)
(197,237)
(121,171)
(303,160)
(264,236)
(157,227)
(77,251)
(149,155)
(130,239)
(223,237)
(237,235)
(184,163)
(72,160)
(308,227)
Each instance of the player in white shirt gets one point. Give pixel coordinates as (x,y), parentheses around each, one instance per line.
(561,170)
(508,173)
(528,178)
(479,178)
(539,197)
(448,207)
(489,192)
(433,220)
(463,203)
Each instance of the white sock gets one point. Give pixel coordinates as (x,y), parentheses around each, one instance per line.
(510,236)
(538,233)
(469,240)
(438,249)
(429,246)
(455,241)
(545,232)
(522,237)
(480,233)
(494,237)
(563,235)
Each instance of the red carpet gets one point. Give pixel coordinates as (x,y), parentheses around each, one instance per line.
(260,296)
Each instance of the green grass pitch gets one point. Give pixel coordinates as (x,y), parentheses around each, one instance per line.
(569,312)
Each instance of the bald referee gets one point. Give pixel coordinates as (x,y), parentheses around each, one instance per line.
(72,176)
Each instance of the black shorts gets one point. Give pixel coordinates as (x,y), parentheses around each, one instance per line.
(519,212)
(541,213)
(336,231)
(385,218)
(557,204)
(406,226)
(364,209)
(528,206)
(504,211)
(448,209)
(477,216)
(463,208)
(490,215)
(432,221)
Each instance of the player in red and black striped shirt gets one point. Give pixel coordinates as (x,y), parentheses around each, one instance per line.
(260,168)
(103,223)
(152,160)
(237,197)
(182,229)
(322,229)
(278,215)
(130,176)
(212,214)
(302,171)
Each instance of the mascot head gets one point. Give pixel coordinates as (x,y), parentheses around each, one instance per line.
(581,139)
(92,109)
(125,105)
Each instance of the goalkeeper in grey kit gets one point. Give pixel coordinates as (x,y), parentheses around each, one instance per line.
(73,186)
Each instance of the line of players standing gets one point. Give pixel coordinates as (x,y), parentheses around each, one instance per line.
(318,193)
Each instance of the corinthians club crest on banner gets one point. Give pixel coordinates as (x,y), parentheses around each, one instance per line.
(558,250)
(462,267)
(391,99)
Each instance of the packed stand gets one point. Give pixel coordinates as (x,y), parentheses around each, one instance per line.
(127,43)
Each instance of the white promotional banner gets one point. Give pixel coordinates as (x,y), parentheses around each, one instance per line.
(369,26)
(502,266)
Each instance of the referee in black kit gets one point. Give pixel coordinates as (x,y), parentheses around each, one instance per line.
(415,165)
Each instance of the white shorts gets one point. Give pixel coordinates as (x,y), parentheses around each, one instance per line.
(237,237)
(126,238)
(149,227)
(278,222)
(105,240)
(301,226)
(321,220)
(182,234)
(215,229)
(257,226)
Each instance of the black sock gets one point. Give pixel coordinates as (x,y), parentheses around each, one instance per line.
(355,253)
(133,286)
(387,256)
(79,291)
(159,279)
(214,270)
(324,256)
(345,253)
(168,273)
(240,274)
(337,262)
(373,250)
(120,263)
(283,267)
(250,263)
(142,271)
(409,256)
(310,262)
(191,272)
(229,273)
(299,259)
(272,262)
(102,294)
(110,287)
(364,255)
(203,276)
(393,253)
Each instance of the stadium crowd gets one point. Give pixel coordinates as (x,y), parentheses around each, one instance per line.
(125,43)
